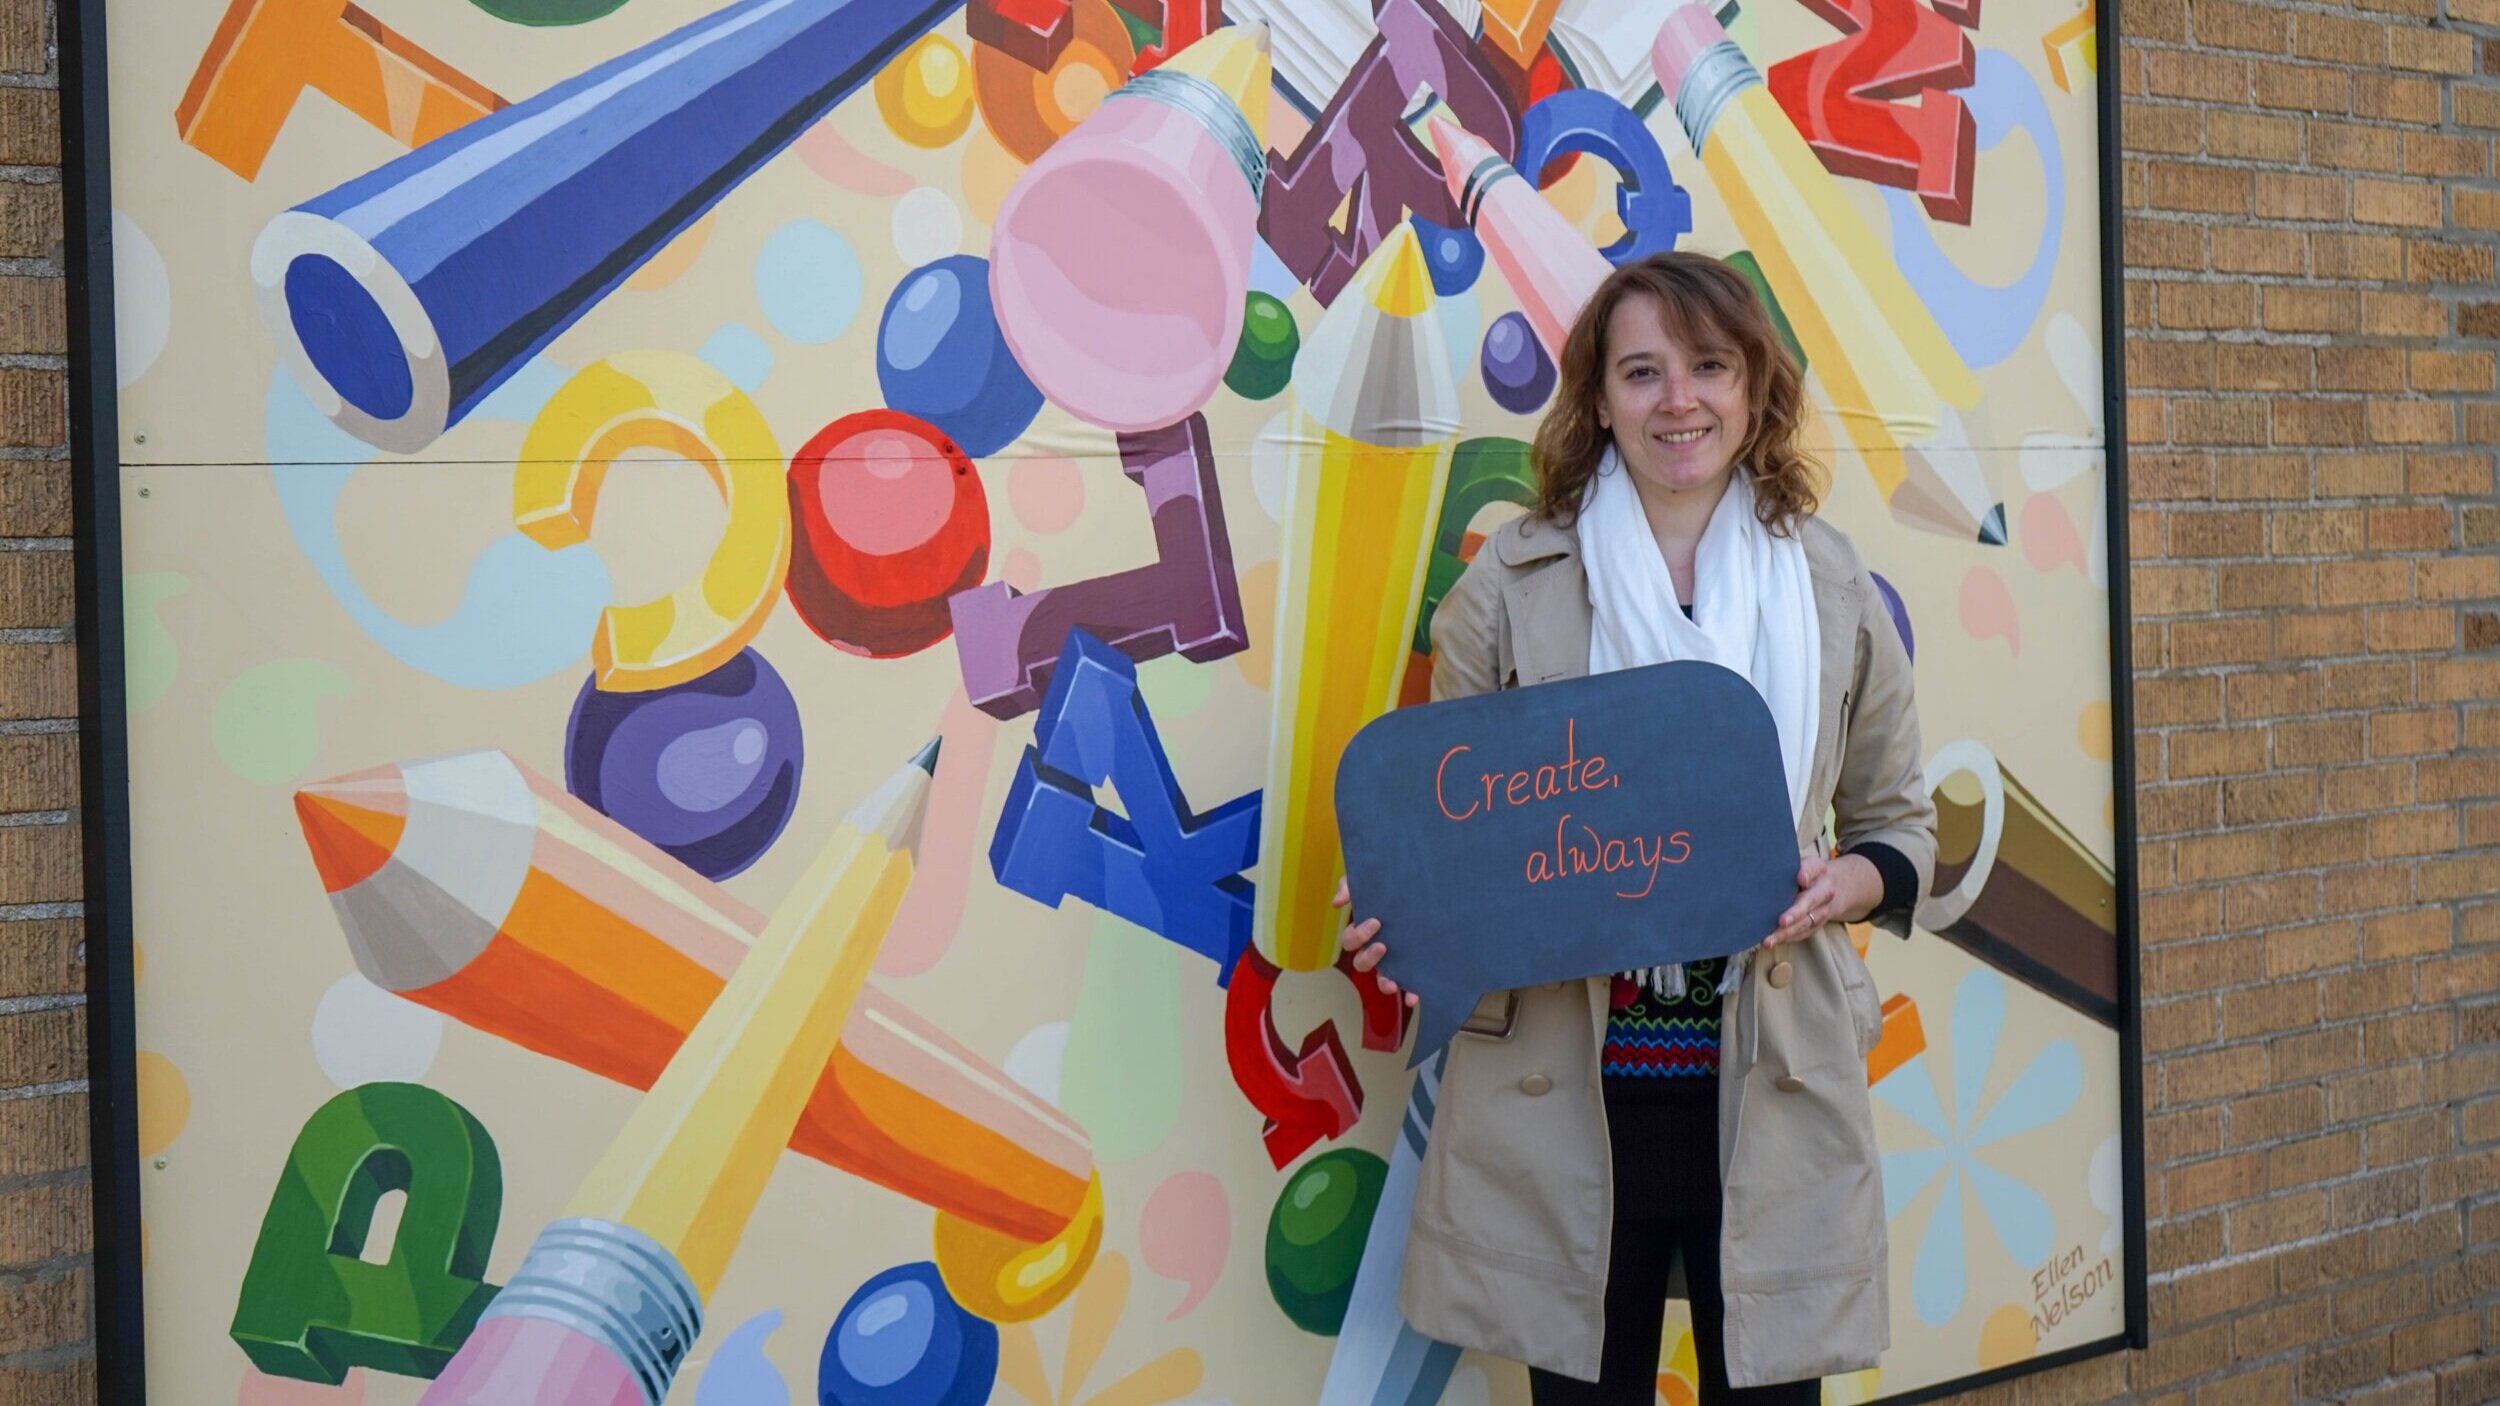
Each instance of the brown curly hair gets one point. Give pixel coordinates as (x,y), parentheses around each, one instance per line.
(1702,300)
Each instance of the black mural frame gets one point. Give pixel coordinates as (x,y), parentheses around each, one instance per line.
(103,737)
(104,762)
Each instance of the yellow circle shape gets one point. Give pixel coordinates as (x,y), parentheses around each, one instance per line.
(164,1102)
(674,403)
(2092,730)
(1007,1280)
(925,95)
(2006,1338)
(1852,1388)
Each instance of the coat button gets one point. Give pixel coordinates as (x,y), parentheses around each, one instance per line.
(1791,1084)
(1781,974)
(1535,1084)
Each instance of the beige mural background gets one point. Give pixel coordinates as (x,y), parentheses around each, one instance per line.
(240,948)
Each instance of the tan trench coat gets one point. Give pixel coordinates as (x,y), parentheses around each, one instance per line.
(1515,1202)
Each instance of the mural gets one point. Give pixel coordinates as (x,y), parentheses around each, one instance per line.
(712,578)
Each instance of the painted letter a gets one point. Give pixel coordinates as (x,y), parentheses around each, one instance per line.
(311,1307)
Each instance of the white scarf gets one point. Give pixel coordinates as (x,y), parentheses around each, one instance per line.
(1755,613)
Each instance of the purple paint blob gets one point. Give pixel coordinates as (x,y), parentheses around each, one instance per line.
(1517,371)
(1900,614)
(708,770)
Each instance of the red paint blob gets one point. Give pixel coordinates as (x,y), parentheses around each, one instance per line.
(891,521)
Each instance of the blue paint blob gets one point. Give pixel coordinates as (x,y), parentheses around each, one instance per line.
(739,354)
(524,612)
(940,356)
(1899,612)
(708,769)
(1517,372)
(294,431)
(807,282)
(901,1340)
(1269,275)
(1453,256)
(523,393)
(1986,323)
(348,338)
(739,1374)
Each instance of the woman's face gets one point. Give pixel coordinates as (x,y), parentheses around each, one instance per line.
(1678,413)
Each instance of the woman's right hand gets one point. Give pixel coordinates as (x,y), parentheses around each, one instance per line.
(1361,940)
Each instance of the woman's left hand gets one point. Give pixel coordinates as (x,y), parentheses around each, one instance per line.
(1828,890)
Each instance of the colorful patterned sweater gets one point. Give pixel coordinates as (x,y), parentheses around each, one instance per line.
(1651,1035)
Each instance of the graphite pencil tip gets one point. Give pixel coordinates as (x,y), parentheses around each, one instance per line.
(926,757)
(1992,527)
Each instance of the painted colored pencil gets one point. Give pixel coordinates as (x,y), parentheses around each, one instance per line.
(1891,375)
(1376,417)
(609,1299)
(1551,269)
(473,886)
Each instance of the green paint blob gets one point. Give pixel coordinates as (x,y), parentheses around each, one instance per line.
(1142,33)
(1263,359)
(1743,262)
(266,725)
(1315,1235)
(547,13)
(149,656)
(1174,687)
(1121,1076)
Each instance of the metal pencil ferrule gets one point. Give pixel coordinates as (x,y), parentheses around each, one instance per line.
(615,1285)
(1713,82)
(1214,110)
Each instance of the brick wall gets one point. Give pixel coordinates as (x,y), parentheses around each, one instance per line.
(46,1349)
(2310,223)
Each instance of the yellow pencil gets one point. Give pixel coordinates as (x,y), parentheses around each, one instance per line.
(611,1295)
(1893,377)
(1377,416)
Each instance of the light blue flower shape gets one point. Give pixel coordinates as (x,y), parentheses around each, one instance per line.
(2043,1092)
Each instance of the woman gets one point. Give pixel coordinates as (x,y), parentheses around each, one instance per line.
(1594,1137)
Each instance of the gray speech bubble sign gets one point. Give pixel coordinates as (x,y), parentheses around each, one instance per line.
(1620,821)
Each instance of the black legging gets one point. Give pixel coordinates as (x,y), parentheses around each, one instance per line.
(1665,1143)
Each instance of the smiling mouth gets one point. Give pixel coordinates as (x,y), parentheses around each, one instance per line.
(1681,436)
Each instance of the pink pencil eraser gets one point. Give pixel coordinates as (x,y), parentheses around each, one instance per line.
(1689,30)
(518,1361)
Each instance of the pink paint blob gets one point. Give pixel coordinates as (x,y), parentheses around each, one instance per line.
(2048,535)
(1185,1233)
(826,154)
(933,908)
(1119,265)
(1988,608)
(261,1389)
(1047,493)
